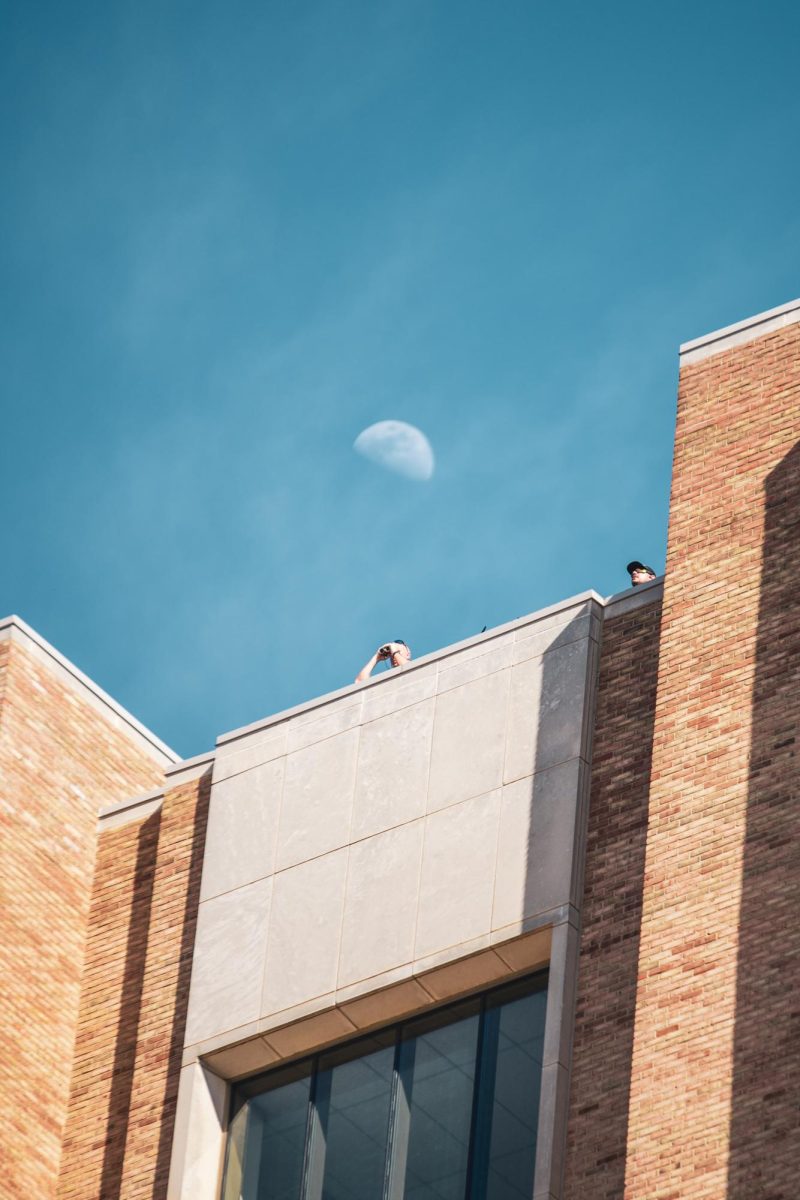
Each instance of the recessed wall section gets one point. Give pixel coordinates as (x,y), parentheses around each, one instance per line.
(398,827)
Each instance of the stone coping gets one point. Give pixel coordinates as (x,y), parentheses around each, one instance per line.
(183,771)
(15,629)
(632,597)
(135,808)
(740,333)
(553,610)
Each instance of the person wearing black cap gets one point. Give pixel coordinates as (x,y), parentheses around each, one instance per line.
(396,653)
(639,573)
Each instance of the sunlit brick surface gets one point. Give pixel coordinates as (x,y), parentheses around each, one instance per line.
(59,762)
(715,1087)
(612,906)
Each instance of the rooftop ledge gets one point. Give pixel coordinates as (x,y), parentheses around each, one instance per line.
(737,335)
(14,629)
(135,807)
(609,606)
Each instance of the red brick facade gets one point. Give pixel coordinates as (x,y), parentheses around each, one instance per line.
(133,1007)
(61,760)
(715,1085)
(612,905)
(686,1066)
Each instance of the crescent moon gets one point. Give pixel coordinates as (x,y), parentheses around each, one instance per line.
(399,447)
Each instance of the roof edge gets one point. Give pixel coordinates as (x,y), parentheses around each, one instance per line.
(583,598)
(13,628)
(740,333)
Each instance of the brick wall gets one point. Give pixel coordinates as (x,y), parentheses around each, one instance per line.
(612,903)
(60,760)
(715,1086)
(133,1004)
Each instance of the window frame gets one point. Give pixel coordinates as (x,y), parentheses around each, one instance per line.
(398,1034)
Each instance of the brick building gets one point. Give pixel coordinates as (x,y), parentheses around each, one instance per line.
(517,922)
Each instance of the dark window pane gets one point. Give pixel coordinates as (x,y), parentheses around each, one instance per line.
(275,1142)
(355,1118)
(515,1108)
(438,1073)
(378,1117)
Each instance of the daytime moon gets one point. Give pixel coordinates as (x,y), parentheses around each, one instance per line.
(398,447)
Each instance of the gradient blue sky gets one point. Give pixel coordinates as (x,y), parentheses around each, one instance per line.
(234,235)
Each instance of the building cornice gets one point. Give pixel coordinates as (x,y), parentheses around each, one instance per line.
(739,334)
(14,629)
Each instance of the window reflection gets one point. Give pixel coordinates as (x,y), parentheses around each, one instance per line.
(354,1098)
(444,1107)
(438,1069)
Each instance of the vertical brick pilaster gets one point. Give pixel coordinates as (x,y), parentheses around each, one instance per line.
(612,905)
(714,1084)
(133,1002)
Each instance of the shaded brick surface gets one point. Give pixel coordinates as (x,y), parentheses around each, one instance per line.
(133,1003)
(612,905)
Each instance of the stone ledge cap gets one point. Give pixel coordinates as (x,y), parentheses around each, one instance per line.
(634,597)
(587,598)
(16,629)
(740,333)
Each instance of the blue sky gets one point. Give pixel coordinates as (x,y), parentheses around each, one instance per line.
(232,236)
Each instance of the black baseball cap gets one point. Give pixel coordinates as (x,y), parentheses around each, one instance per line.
(637,566)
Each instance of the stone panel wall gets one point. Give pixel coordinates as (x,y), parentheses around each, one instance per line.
(401,827)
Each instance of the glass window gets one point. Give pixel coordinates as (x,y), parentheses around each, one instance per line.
(437,1067)
(443,1107)
(353,1100)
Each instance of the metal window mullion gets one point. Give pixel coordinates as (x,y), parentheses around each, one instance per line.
(400,1119)
(316,1134)
(483,1102)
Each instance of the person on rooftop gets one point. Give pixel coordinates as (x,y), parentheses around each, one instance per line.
(397,654)
(639,573)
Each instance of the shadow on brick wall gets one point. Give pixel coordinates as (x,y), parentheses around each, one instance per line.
(612,906)
(765,1115)
(162,840)
(182,989)
(127,1036)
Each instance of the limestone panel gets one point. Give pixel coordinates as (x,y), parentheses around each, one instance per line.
(228,961)
(242,829)
(533,640)
(398,691)
(468,740)
(241,755)
(381,903)
(523,720)
(317,799)
(536,844)
(466,666)
(304,933)
(547,709)
(457,880)
(393,765)
(322,723)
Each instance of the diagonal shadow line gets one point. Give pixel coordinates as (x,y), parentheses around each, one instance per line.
(130,1009)
(178,1025)
(764,1157)
(612,905)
